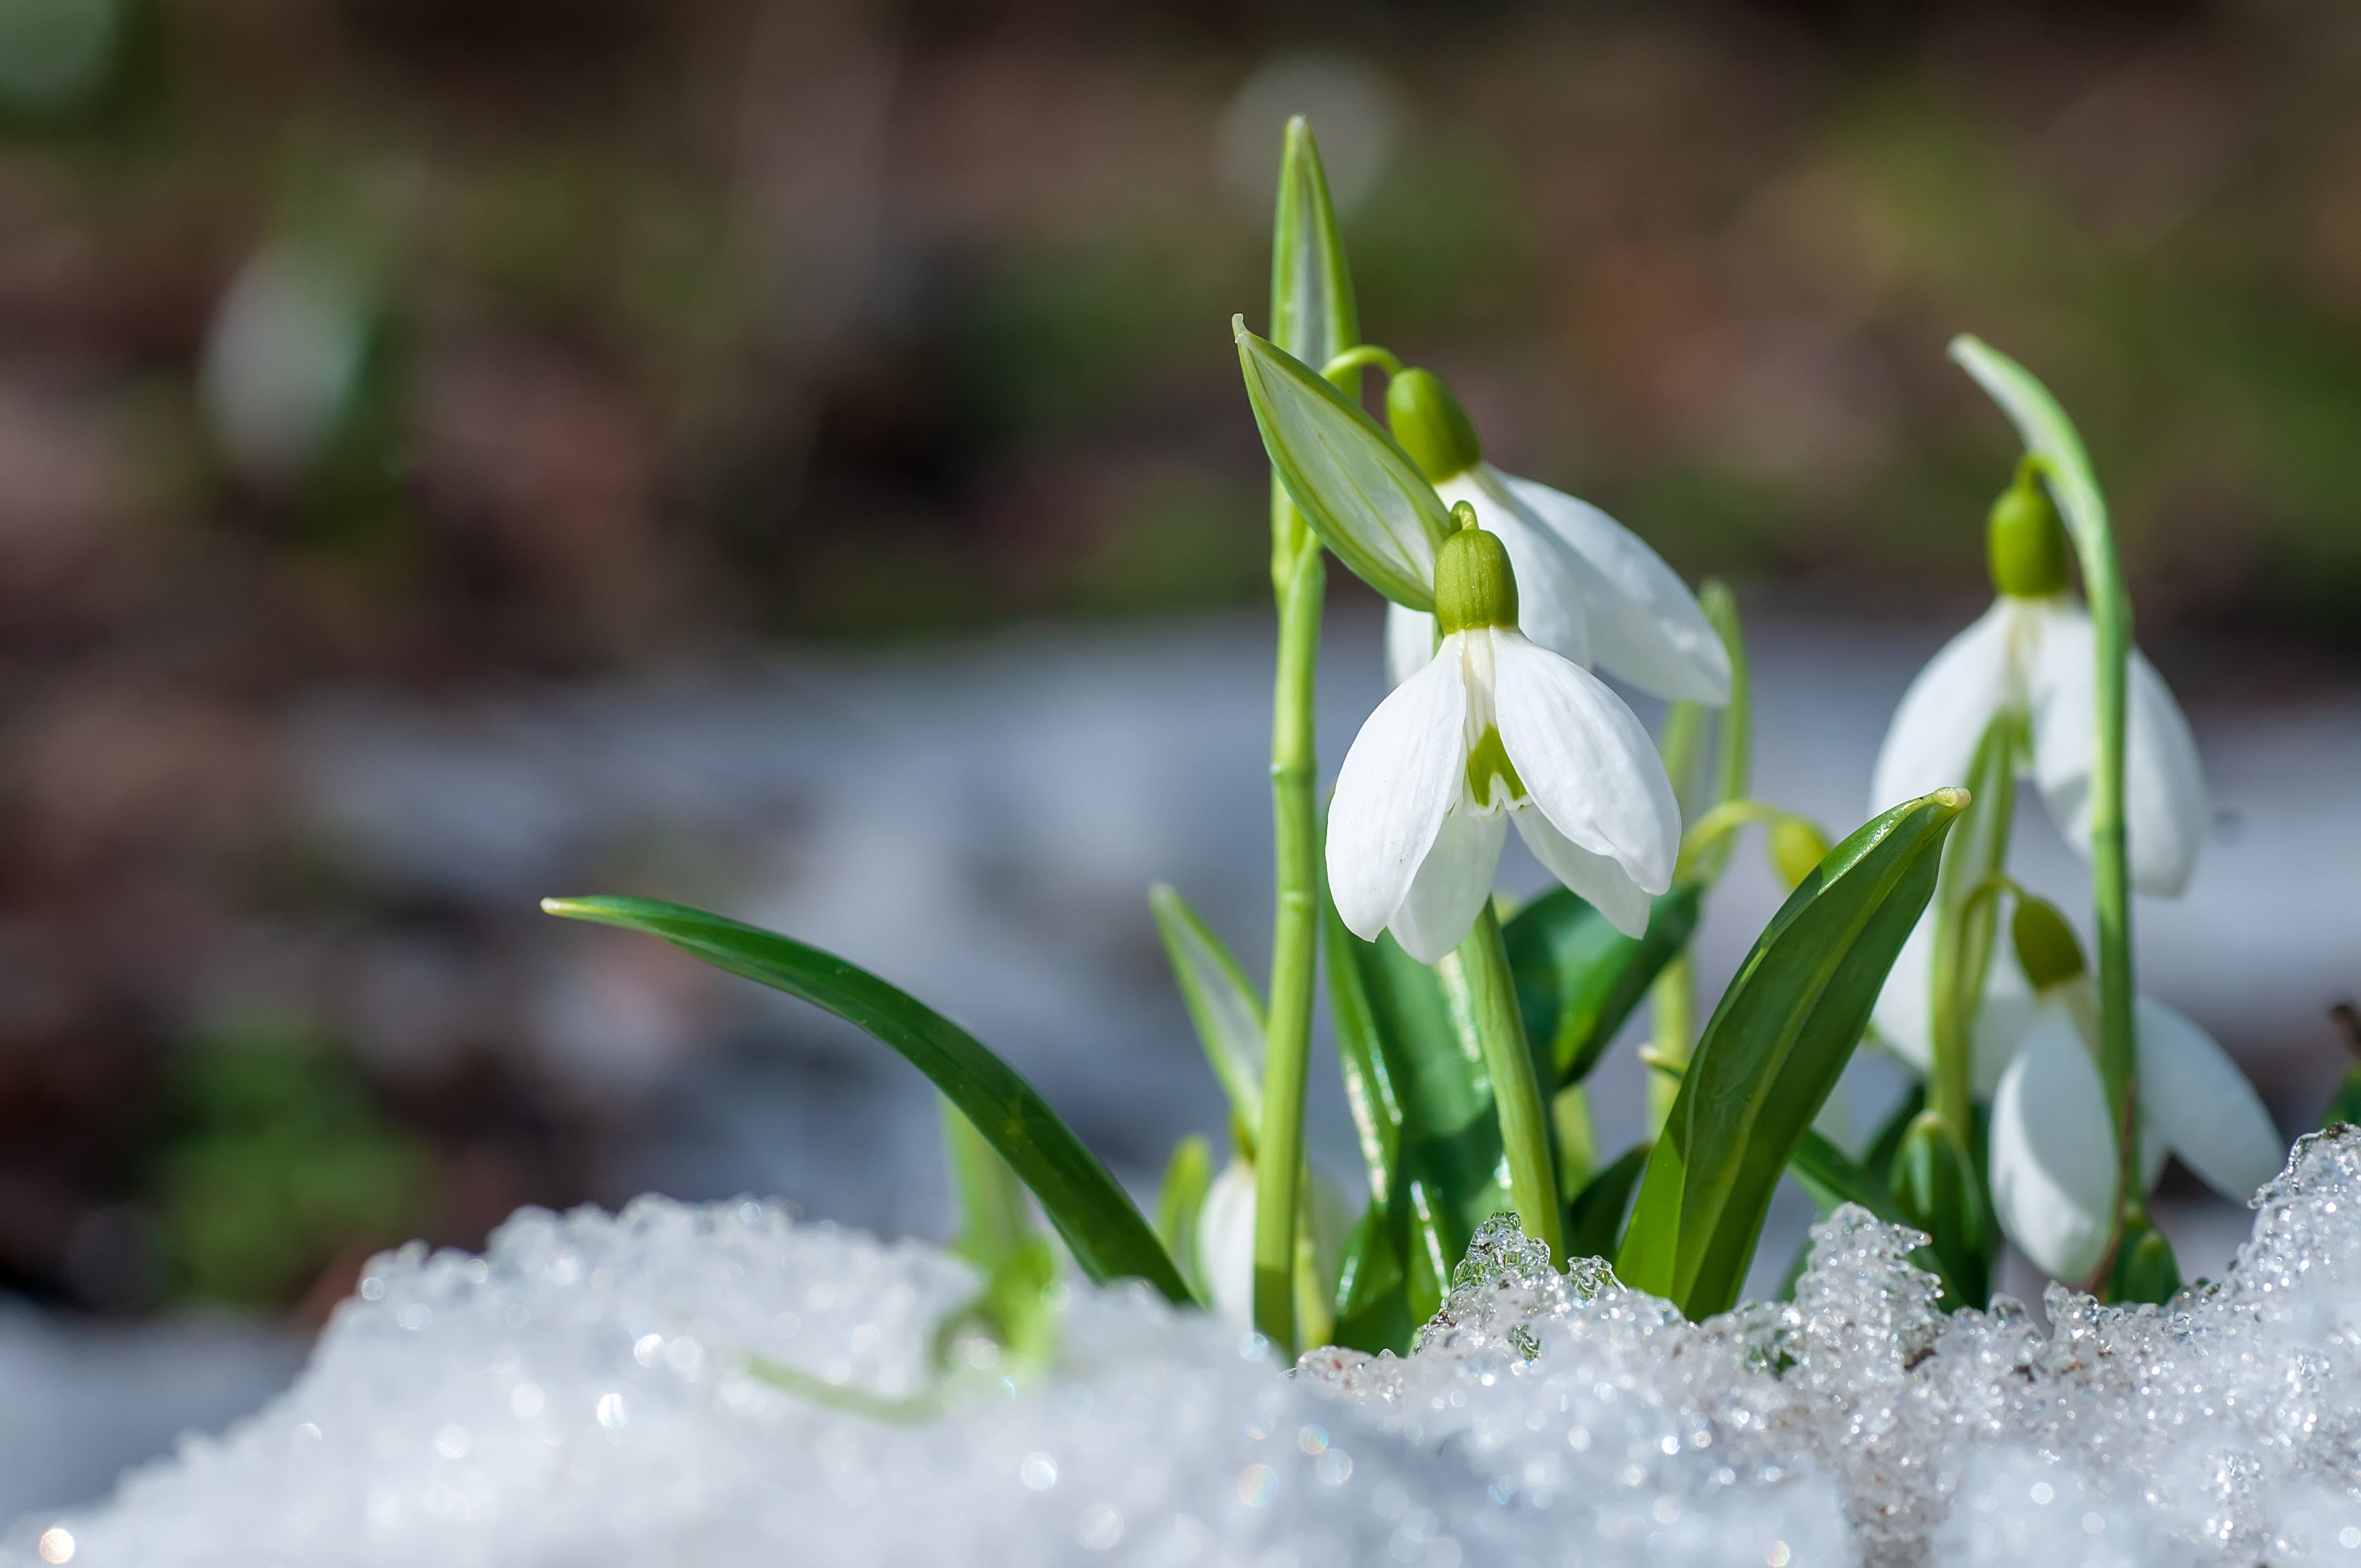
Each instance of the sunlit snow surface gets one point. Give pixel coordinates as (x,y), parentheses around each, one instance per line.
(578,1397)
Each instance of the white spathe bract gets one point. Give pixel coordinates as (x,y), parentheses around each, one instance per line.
(1587,589)
(1411,848)
(2053,1145)
(2035,656)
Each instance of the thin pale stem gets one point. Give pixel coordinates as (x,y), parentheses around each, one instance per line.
(1672,1013)
(1516,1088)
(1295,939)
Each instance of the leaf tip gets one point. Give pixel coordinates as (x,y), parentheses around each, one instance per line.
(1953,798)
(1238,333)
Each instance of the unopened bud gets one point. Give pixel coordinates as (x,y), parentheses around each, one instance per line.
(2025,543)
(2046,948)
(1474,583)
(1428,421)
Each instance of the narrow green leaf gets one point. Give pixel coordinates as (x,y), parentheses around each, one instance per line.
(1221,1005)
(1578,978)
(1312,314)
(1359,491)
(1106,1235)
(1372,1288)
(1596,1216)
(1180,1202)
(1770,1054)
(1886,1142)
(992,1221)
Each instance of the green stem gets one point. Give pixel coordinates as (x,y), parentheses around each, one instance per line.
(1966,919)
(1483,964)
(2110,885)
(1295,937)
(1672,1013)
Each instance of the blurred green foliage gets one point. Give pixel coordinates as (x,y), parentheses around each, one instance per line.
(275,1163)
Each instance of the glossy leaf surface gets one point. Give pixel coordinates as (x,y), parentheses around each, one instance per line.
(1108,1236)
(1578,978)
(1770,1054)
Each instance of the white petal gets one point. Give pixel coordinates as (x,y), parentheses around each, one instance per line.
(1225,1227)
(2004,1019)
(2053,1175)
(1553,590)
(1405,769)
(1603,883)
(1903,1016)
(1452,885)
(1645,626)
(2202,1105)
(1410,642)
(2164,800)
(1942,716)
(1585,759)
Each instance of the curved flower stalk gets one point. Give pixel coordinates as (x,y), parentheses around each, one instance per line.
(1592,590)
(2053,1154)
(1494,730)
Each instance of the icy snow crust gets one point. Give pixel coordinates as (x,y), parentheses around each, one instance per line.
(579,1397)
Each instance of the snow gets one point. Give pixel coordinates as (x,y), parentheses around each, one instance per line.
(587,1393)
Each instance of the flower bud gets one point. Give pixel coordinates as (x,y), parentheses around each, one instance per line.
(2046,948)
(2146,1270)
(2025,543)
(1474,585)
(1428,421)
(1796,848)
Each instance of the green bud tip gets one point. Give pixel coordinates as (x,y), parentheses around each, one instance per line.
(2046,948)
(1797,847)
(1474,583)
(2025,543)
(1431,425)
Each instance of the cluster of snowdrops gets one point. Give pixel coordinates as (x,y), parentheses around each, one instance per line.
(2050,1092)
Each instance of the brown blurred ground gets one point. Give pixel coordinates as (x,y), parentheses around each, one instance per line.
(687,322)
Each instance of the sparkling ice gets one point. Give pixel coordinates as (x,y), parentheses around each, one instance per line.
(581,1396)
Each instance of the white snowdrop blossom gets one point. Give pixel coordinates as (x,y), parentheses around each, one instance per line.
(1589,589)
(2034,656)
(1494,730)
(2053,1144)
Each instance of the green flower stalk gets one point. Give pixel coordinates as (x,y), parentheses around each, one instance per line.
(1313,317)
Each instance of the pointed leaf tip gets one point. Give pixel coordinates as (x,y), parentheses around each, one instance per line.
(1238,333)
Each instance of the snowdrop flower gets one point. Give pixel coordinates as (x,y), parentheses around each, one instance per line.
(2053,1148)
(1591,590)
(1225,1226)
(1492,729)
(2032,655)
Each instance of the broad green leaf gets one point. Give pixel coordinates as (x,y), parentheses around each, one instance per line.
(1429,1138)
(1372,1289)
(1938,1190)
(1359,491)
(1771,1053)
(1831,1177)
(2146,1270)
(1106,1235)
(1578,978)
(1221,1003)
(1180,1200)
(1886,1142)
(1596,1216)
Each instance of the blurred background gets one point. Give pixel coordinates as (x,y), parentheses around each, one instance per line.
(787,455)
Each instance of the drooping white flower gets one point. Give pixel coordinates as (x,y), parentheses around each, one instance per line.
(2034,654)
(1494,730)
(2053,1143)
(1590,588)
